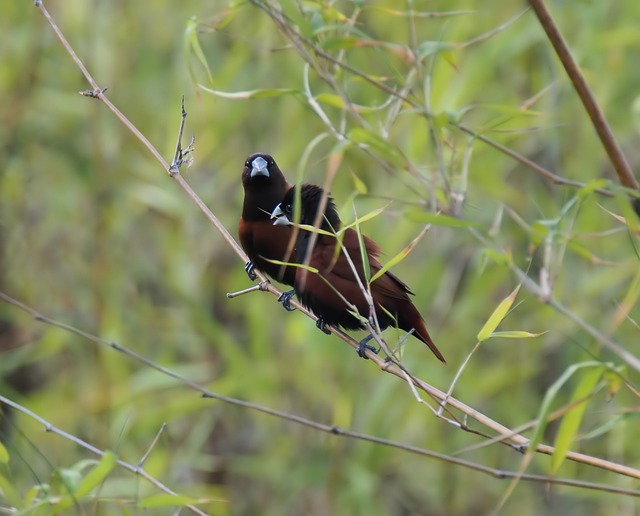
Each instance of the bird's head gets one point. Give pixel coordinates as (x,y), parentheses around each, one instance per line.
(261,170)
(310,199)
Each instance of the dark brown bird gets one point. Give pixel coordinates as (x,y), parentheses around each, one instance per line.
(323,292)
(264,187)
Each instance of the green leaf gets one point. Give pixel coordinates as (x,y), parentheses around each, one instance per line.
(10,493)
(498,315)
(401,255)
(191,42)
(168,500)
(545,407)
(515,334)
(338,102)
(4,454)
(571,421)
(359,184)
(249,94)
(340,43)
(371,215)
(96,476)
(291,264)
(376,142)
(427,48)
(436,219)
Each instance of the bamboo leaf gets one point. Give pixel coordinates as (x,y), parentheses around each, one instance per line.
(498,315)
(291,264)
(376,142)
(4,454)
(515,334)
(168,500)
(371,215)
(401,255)
(191,42)
(97,475)
(547,402)
(571,421)
(249,94)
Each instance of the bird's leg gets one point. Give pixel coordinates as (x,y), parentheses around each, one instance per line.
(248,268)
(285,299)
(363,346)
(322,326)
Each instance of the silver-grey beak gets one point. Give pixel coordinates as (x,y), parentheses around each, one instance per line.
(259,167)
(279,216)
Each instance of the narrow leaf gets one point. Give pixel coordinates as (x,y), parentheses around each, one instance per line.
(401,255)
(97,475)
(4,454)
(572,419)
(547,402)
(359,184)
(192,42)
(498,315)
(291,264)
(375,141)
(10,493)
(515,334)
(249,94)
(371,215)
(167,500)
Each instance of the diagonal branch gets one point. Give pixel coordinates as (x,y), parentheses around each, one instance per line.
(616,156)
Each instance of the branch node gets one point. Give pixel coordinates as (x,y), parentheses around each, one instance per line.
(94,94)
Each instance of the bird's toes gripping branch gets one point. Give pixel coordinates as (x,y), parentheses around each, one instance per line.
(322,326)
(248,268)
(285,299)
(363,347)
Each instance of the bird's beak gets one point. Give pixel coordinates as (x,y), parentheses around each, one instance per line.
(279,216)
(259,167)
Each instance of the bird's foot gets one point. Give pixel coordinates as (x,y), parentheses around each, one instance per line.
(285,299)
(363,347)
(248,268)
(323,326)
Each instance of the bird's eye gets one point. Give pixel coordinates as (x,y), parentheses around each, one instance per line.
(288,207)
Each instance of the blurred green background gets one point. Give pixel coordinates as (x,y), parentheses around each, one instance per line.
(94,234)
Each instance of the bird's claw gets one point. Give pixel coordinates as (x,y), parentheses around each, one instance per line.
(322,326)
(363,347)
(285,299)
(248,268)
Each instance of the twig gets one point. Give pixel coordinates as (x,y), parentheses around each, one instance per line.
(152,445)
(137,470)
(515,441)
(616,156)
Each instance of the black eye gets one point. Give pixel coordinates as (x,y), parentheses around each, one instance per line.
(288,208)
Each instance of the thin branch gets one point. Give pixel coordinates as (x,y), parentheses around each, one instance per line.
(509,438)
(616,156)
(137,470)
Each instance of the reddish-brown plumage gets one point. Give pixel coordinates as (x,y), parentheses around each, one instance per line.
(325,292)
(264,187)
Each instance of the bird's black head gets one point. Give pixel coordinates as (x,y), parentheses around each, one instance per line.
(310,201)
(261,169)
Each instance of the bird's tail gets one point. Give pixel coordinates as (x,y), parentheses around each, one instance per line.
(420,331)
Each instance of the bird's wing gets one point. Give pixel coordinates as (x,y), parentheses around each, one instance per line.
(387,285)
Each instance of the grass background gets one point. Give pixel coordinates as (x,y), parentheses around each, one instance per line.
(94,234)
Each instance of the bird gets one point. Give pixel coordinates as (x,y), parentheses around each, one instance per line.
(264,186)
(327,285)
